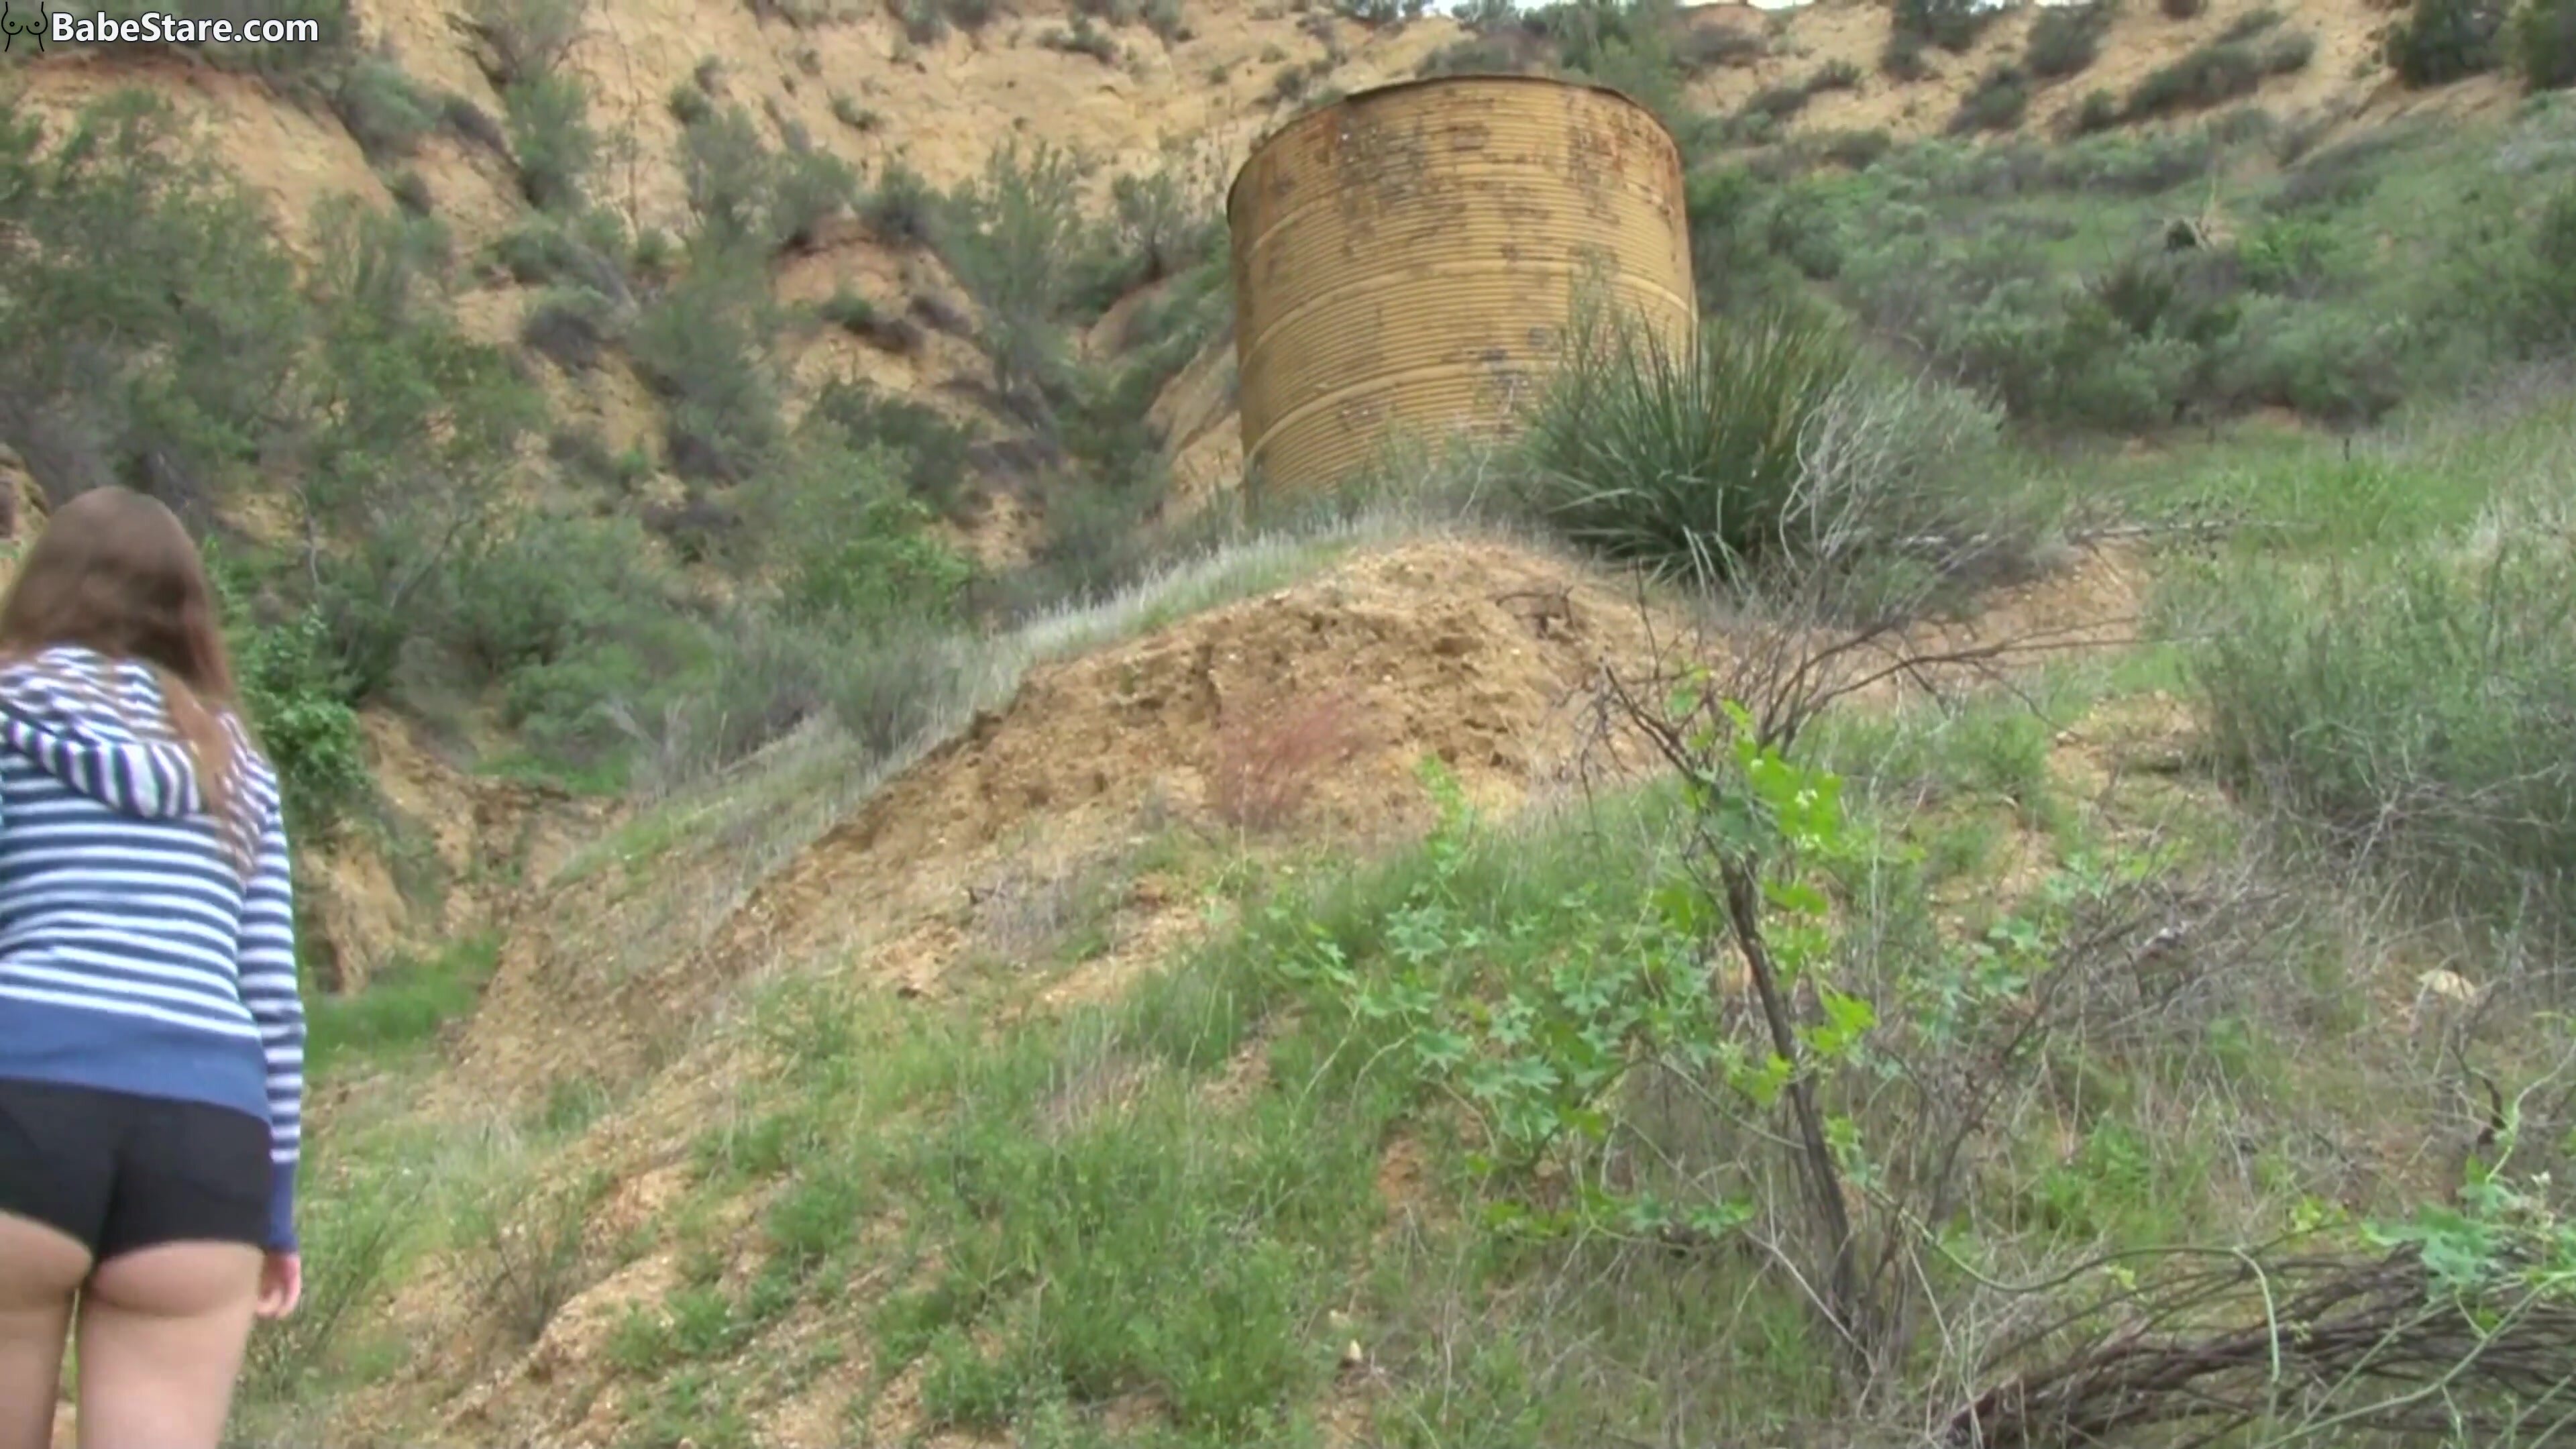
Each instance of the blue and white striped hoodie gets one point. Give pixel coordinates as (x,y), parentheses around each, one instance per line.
(134,956)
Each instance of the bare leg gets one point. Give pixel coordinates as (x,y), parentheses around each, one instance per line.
(40,1269)
(162,1330)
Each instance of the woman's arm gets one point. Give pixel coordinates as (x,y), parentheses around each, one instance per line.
(269,989)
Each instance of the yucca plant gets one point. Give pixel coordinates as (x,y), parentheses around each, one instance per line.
(1684,458)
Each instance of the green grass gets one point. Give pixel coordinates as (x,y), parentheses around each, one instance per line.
(402,1010)
(1070,1213)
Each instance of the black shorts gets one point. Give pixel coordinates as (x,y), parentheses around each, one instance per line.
(122,1172)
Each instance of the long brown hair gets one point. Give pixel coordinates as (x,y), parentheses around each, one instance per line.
(115,571)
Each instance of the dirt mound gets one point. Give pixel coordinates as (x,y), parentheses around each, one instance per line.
(1468,651)
(1305,713)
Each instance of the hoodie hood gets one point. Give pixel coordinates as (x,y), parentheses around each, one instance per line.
(74,714)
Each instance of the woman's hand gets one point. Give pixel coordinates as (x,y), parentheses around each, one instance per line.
(281,1284)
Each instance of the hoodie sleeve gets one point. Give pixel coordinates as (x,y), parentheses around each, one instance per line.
(269,989)
(149,778)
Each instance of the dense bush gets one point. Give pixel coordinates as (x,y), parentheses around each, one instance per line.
(550,139)
(702,344)
(2441,41)
(2544,43)
(2065,39)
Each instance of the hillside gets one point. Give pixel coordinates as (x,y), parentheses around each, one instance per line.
(857,890)
(709,246)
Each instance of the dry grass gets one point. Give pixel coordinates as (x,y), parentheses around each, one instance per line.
(1267,759)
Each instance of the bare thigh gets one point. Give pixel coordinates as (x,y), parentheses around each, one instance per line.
(162,1330)
(40,1269)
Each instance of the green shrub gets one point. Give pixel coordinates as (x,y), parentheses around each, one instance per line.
(516,41)
(1858,150)
(807,190)
(2284,55)
(151,313)
(2065,39)
(2544,43)
(1686,462)
(1737,237)
(1013,240)
(2446,40)
(702,345)
(849,546)
(2098,112)
(904,208)
(292,689)
(2538,291)
(551,141)
(2334,178)
(863,319)
(571,327)
(578,251)
(934,453)
(1998,103)
(1953,25)
(1776,103)
(1833,75)
(1167,220)
(2049,350)
(2416,714)
(385,112)
(724,166)
(2217,73)
(1903,57)
(2338,367)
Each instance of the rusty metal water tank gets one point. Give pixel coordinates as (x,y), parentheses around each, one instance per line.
(1405,260)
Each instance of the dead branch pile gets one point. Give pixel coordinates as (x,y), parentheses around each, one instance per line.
(2319,1349)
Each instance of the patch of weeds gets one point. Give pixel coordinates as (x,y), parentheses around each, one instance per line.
(400,1011)
(1267,760)
(528,1240)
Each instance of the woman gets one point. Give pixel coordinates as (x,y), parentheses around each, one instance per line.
(151,1035)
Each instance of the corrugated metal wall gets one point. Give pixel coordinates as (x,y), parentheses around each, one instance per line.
(1405,259)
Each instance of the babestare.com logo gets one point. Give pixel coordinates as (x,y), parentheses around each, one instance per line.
(46,25)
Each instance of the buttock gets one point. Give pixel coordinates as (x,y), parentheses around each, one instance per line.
(121,1172)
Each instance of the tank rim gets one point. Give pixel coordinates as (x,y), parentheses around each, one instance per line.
(1425,82)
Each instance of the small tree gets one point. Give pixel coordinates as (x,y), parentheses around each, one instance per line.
(1012,240)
